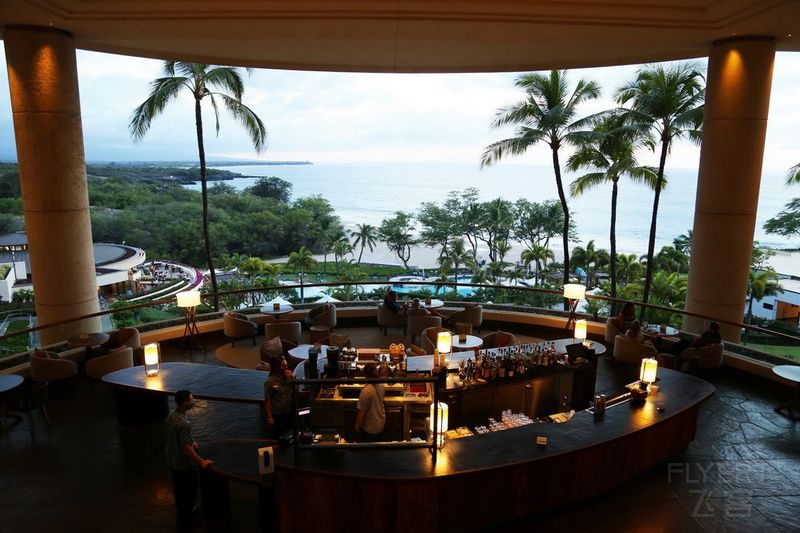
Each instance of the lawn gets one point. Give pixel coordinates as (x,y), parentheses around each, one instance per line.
(792,352)
(18,343)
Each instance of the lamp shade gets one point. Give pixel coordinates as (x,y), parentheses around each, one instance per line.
(648,371)
(580,330)
(443,409)
(188,298)
(444,342)
(151,359)
(574,291)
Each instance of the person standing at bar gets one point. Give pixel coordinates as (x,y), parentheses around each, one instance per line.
(370,411)
(278,398)
(183,458)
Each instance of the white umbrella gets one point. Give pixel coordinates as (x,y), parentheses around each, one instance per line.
(326,298)
(279,300)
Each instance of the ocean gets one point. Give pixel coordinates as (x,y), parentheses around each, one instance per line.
(371,192)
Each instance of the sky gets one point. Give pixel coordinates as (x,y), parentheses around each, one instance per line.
(347,117)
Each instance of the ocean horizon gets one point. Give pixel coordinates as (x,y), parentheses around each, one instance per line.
(371,192)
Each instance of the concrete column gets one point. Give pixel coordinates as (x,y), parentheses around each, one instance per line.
(43,79)
(734,128)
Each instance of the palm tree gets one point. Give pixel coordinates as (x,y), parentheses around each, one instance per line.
(539,255)
(683,242)
(760,284)
(670,100)
(793,177)
(364,236)
(629,269)
(302,260)
(219,84)
(591,259)
(340,249)
(547,114)
(610,150)
(458,255)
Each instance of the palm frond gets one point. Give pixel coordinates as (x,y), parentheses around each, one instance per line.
(251,122)
(227,80)
(162,91)
(793,176)
(512,146)
(587,181)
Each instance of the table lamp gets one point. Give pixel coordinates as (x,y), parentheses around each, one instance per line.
(580,331)
(574,292)
(647,372)
(188,301)
(444,343)
(151,359)
(438,422)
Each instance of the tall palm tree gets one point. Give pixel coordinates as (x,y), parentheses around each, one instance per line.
(302,260)
(547,114)
(340,249)
(670,100)
(629,269)
(364,236)
(609,150)
(458,255)
(538,255)
(219,84)
(683,242)
(760,284)
(591,259)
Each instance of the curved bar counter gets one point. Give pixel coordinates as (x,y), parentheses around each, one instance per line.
(487,479)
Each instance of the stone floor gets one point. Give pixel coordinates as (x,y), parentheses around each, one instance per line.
(84,472)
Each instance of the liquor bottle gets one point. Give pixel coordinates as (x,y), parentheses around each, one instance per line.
(501,369)
(511,367)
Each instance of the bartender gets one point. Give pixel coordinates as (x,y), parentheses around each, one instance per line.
(370,411)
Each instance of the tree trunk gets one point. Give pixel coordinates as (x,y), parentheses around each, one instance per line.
(648,279)
(198,117)
(613,236)
(302,296)
(565,209)
(361,254)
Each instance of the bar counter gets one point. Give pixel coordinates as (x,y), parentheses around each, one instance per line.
(484,480)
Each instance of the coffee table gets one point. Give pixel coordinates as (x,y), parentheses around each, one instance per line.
(8,382)
(789,373)
(435,304)
(88,341)
(281,310)
(469,343)
(561,345)
(654,330)
(301,351)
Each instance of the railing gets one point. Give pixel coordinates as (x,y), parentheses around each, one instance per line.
(786,347)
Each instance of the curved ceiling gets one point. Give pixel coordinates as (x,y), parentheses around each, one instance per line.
(411,35)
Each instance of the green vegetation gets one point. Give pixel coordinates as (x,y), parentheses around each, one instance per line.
(4,270)
(15,344)
(791,352)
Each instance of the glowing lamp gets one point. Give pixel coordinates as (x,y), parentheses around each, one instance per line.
(647,373)
(580,330)
(444,342)
(188,299)
(441,422)
(151,359)
(574,291)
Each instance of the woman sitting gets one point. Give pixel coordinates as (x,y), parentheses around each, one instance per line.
(631,348)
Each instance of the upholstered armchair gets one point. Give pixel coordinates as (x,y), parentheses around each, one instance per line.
(430,337)
(116,359)
(469,315)
(47,366)
(418,323)
(629,351)
(322,315)
(499,339)
(289,331)
(612,332)
(387,319)
(238,326)
(124,337)
(342,341)
(707,357)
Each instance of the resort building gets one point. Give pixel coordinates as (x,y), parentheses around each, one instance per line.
(101,463)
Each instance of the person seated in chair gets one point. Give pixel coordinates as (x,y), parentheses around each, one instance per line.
(417,310)
(707,338)
(390,303)
(625,317)
(635,332)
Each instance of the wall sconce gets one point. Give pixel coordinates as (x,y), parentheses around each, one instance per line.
(580,331)
(574,292)
(647,373)
(151,359)
(441,416)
